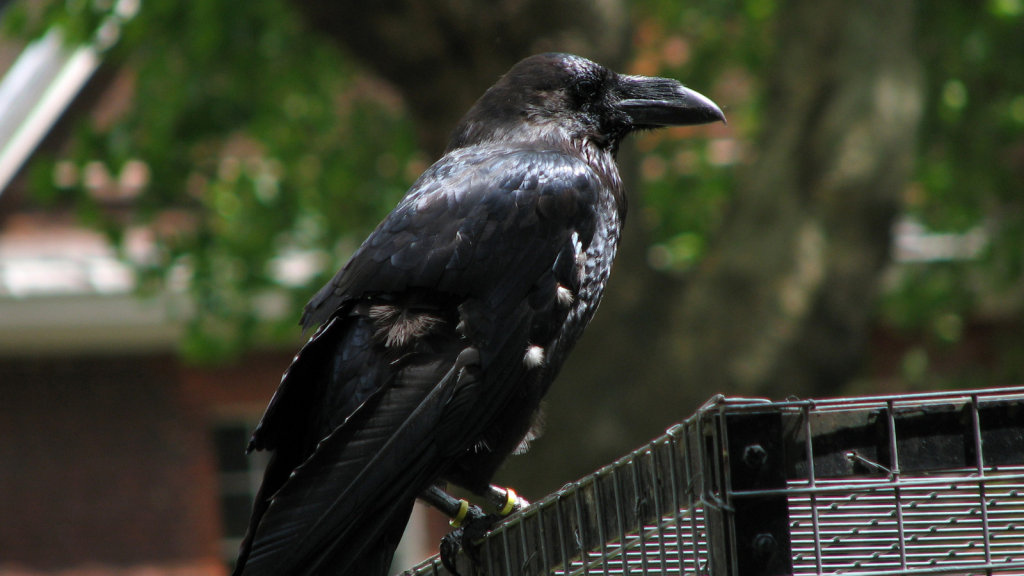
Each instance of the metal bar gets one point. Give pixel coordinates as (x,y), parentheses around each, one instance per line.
(707,477)
(527,557)
(755,456)
(722,478)
(638,513)
(619,509)
(489,556)
(894,459)
(562,539)
(980,460)
(545,559)
(508,553)
(674,468)
(1009,393)
(915,397)
(600,523)
(904,484)
(581,535)
(851,405)
(658,514)
(809,447)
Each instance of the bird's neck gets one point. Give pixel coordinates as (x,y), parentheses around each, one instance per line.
(602,159)
(598,152)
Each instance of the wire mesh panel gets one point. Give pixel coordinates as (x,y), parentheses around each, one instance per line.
(916,484)
(638,515)
(944,525)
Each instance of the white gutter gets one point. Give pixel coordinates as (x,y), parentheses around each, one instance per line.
(43,82)
(47,90)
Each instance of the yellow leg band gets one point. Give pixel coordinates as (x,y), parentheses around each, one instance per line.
(463,510)
(510,503)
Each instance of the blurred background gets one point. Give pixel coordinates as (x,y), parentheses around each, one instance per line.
(177,178)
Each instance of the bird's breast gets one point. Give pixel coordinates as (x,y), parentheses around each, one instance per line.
(594,266)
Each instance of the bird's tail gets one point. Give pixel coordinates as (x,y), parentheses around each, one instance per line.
(344,509)
(321,521)
(377,556)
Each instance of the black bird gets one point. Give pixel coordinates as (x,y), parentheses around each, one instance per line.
(439,337)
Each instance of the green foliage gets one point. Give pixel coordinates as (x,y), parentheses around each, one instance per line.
(971,161)
(260,139)
(970,171)
(972,145)
(721,48)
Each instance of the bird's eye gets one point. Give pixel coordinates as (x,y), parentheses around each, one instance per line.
(586,88)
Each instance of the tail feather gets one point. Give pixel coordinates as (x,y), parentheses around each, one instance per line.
(367,546)
(376,559)
(340,506)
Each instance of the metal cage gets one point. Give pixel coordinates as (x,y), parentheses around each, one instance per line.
(910,484)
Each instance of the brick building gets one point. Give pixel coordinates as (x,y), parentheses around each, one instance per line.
(116,457)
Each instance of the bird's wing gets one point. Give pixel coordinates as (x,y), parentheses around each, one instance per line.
(464,223)
(478,226)
(483,241)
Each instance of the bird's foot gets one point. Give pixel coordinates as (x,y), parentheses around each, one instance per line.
(469,530)
(469,521)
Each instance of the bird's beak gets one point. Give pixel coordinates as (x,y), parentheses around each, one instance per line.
(654,102)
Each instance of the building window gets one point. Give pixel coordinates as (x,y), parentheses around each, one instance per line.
(239,477)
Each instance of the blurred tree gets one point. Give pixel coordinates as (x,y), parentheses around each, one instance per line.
(753,254)
(781,302)
(442,54)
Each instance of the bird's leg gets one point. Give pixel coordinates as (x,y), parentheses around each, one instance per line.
(505,500)
(458,511)
(462,515)
(469,521)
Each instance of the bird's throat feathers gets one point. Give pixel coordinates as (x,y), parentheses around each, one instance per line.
(533,131)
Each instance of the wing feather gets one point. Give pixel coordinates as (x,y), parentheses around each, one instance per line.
(490,200)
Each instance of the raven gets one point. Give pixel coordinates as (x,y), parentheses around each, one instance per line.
(439,337)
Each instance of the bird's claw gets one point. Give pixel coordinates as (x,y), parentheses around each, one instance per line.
(450,546)
(462,538)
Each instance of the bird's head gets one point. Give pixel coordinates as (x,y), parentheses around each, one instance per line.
(561,97)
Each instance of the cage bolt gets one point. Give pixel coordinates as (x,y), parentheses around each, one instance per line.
(754,456)
(764,547)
